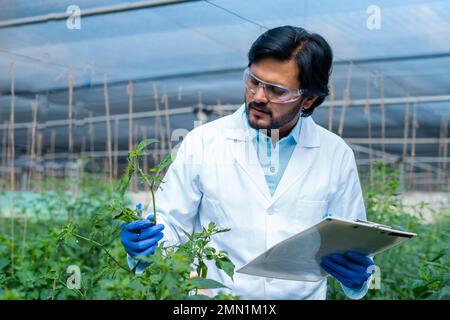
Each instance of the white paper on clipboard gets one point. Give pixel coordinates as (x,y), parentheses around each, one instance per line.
(299,256)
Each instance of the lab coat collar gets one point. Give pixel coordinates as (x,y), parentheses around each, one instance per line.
(300,163)
(240,130)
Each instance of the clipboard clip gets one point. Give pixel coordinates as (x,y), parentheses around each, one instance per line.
(373,224)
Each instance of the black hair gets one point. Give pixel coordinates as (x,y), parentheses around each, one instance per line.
(311,51)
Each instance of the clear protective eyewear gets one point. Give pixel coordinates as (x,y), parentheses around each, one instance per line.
(275,93)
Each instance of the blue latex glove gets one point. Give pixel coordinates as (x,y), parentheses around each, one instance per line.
(350,268)
(140,238)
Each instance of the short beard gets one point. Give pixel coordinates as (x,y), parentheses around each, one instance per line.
(275,123)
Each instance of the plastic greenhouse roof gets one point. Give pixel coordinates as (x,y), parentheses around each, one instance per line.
(201,46)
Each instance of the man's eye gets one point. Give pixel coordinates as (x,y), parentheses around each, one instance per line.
(278,91)
(254,82)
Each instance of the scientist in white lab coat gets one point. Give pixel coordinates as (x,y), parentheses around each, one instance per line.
(267,171)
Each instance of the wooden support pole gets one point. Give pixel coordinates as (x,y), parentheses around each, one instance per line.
(443,148)
(11,128)
(162,134)
(346,100)
(180,93)
(82,152)
(331,106)
(52,150)
(383,127)
(34,108)
(4,153)
(405,138)
(167,114)
(130,92)
(157,133)
(39,147)
(25,186)
(219,109)
(369,125)
(11,164)
(91,131)
(415,126)
(70,107)
(445,151)
(383,112)
(136,176)
(108,128)
(116,148)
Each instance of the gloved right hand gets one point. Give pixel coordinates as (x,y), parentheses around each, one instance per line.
(140,238)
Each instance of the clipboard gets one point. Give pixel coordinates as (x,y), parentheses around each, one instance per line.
(299,256)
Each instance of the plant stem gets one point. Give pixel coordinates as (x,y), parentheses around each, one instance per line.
(152,191)
(103,248)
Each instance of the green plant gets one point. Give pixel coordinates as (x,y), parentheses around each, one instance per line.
(408,271)
(169,274)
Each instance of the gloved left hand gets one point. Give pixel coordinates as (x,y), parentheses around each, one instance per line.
(350,269)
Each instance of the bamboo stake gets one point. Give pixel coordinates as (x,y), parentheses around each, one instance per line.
(52,151)
(445,151)
(105,163)
(415,126)
(369,125)
(24,235)
(82,152)
(116,148)
(383,114)
(405,137)
(4,154)
(91,136)
(34,107)
(70,107)
(136,176)
(331,106)
(443,147)
(161,129)
(11,128)
(12,156)
(346,100)
(383,127)
(168,130)
(130,92)
(180,93)
(108,127)
(39,144)
(219,108)
(28,157)
(157,122)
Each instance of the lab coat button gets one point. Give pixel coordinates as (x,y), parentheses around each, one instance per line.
(270,211)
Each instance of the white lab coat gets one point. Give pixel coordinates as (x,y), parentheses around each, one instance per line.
(216,176)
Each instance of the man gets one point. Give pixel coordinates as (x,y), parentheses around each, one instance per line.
(267,172)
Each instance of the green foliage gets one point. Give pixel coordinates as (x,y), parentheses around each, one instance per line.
(78,222)
(59,228)
(420,267)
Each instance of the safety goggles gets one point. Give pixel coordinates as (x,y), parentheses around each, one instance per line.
(275,93)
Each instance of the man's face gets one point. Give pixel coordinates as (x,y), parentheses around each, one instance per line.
(262,113)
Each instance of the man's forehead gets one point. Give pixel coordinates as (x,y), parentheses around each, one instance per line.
(271,70)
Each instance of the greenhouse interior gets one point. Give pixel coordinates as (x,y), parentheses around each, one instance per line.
(84,84)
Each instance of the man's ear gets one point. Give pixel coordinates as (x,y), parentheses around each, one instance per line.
(307,102)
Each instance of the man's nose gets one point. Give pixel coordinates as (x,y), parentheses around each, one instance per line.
(260,95)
